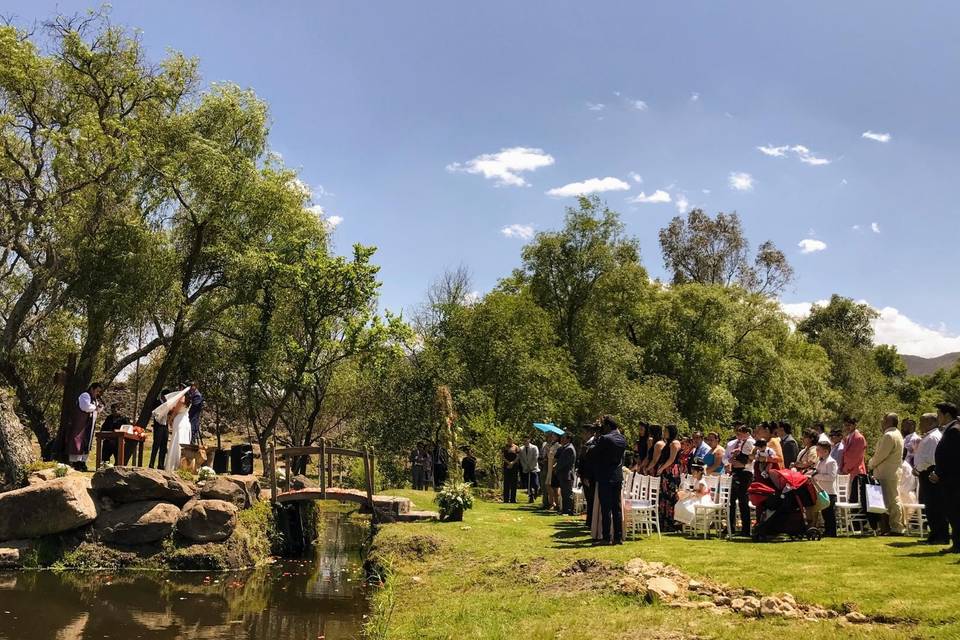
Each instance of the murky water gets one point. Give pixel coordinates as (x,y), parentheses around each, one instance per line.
(322,596)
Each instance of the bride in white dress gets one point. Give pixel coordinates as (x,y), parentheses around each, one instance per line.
(174,411)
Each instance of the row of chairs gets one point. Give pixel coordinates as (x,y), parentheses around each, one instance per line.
(641,496)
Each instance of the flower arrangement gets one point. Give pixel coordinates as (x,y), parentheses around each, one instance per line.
(60,470)
(454,498)
(205,474)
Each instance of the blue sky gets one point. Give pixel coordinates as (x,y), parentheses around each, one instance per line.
(376,102)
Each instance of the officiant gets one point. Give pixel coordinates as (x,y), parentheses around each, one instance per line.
(82,426)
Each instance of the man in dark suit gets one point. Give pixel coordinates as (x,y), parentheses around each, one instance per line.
(585,467)
(563,469)
(608,470)
(161,435)
(196,407)
(789,444)
(946,472)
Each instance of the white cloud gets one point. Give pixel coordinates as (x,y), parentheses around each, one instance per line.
(301,188)
(333,221)
(639,105)
(505,166)
(657,197)
(522,231)
(636,177)
(801,152)
(591,185)
(893,327)
(706,191)
(875,136)
(683,205)
(472,298)
(776,152)
(874,227)
(596,106)
(694,97)
(740,181)
(330,221)
(809,245)
(807,157)
(855,227)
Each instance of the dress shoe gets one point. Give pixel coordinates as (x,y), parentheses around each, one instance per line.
(950,550)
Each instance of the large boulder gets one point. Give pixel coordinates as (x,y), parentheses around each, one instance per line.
(220,488)
(250,486)
(137,484)
(207,520)
(55,506)
(137,522)
(45,475)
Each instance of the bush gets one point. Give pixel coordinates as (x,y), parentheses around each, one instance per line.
(454,498)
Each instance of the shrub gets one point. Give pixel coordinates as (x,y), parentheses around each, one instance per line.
(60,470)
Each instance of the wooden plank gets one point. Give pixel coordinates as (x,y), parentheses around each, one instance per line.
(369,477)
(273,474)
(312,451)
(321,464)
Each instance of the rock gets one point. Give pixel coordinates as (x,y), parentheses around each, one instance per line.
(12,553)
(137,522)
(722,601)
(769,606)
(207,520)
(705,604)
(219,488)
(250,486)
(750,611)
(137,484)
(662,588)
(44,475)
(695,585)
(636,566)
(300,482)
(855,617)
(55,506)
(738,603)
(630,586)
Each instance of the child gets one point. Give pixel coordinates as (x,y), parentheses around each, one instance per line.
(825,478)
(684,511)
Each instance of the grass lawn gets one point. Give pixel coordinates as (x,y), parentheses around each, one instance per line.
(497,575)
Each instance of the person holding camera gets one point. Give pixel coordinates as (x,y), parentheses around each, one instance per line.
(740,453)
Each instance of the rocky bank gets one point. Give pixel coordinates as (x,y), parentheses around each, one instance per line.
(132,517)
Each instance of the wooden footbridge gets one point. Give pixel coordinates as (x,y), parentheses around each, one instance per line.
(382,507)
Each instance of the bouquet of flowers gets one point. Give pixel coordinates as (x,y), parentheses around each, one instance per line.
(205,473)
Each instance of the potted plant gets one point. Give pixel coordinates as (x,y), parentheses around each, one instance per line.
(454,498)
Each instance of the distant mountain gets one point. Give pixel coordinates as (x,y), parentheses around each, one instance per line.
(925,366)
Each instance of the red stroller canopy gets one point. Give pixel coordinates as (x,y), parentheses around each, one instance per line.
(784,478)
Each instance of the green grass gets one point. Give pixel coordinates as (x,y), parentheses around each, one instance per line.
(496,575)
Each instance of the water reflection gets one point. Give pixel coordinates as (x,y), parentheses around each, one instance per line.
(323,596)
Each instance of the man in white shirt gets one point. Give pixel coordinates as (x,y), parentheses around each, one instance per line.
(530,468)
(740,482)
(908,428)
(826,480)
(930,494)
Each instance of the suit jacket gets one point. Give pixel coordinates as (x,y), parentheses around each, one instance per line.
(607,457)
(196,406)
(947,456)
(585,466)
(886,460)
(791,450)
(566,460)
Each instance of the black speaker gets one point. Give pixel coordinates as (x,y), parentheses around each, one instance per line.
(241,459)
(221,460)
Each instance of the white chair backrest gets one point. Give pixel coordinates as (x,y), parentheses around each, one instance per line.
(713,484)
(653,491)
(723,490)
(843,488)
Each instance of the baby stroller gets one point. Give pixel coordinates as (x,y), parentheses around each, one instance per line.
(782,505)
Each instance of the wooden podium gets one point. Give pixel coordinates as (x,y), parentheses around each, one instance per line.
(121,438)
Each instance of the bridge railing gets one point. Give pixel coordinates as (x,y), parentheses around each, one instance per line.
(325,466)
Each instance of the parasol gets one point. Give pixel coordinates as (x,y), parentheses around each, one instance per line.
(548,428)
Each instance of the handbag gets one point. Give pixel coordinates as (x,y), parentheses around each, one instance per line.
(875,502)
(823,501)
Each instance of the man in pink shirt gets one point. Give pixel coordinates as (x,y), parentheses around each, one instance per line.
(852,464)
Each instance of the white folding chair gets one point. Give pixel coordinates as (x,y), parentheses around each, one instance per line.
(646,511)
(635,499)
(848,508)
(915,518)
(714,516)
(579,499)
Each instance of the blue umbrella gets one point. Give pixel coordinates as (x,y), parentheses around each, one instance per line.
(548,428)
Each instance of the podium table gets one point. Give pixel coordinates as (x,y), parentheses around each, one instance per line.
(121,438)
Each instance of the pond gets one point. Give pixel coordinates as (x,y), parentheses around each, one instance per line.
(320,596)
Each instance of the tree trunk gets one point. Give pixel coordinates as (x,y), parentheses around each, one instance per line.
(36,420)
(16,452)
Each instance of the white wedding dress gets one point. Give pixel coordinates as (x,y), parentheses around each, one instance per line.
(179,427)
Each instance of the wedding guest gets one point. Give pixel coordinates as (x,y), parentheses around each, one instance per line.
(789,446)
(739,455)
(608,472)
(114,421)
(908,429)
(564,470)
(530,469)
(511,470)
(929,492)
(947,469)
(161,434)
(196,408)
(668,468)
(825,478)
(469,467)
(685,510)
(713,461)
(807,458)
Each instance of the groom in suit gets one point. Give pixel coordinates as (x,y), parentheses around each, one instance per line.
(607,459)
